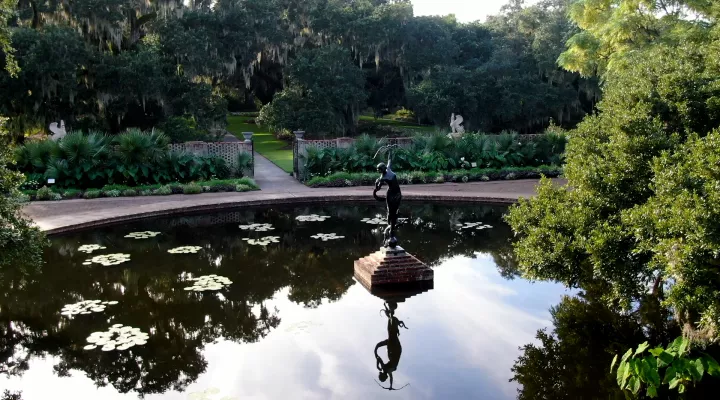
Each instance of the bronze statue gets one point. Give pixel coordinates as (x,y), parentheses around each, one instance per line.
(392,199)
(394,349)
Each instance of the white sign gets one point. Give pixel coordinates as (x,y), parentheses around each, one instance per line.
(51,180)
(474,165)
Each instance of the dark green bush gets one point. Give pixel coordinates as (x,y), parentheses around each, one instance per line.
(434,152)
(111,193)
(163,191)
(342,179)
(132,158)
(44,193)
(92,194)
(72,194)
(192,188)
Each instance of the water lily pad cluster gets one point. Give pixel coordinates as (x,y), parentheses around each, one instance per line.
(118,337)
(185,250)
(89,248)
(209,282)
(86,307)
(312,218)
(327,236)
(257,227)
(263,241)
(474,225)
(374,221)
(142,235)
(108,259)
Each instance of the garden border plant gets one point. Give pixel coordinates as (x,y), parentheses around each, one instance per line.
(344,179)
(436,152)
(211,186)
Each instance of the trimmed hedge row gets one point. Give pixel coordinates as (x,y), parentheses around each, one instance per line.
(212,186)
(344,179)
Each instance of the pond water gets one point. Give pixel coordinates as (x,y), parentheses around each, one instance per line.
(293,324)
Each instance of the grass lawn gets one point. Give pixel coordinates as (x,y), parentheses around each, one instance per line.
(398,124)
(277,151)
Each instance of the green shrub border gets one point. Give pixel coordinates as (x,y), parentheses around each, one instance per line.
(345,179)
(211,186)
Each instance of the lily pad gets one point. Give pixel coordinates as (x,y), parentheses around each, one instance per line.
(142,235)
(312,218)
(89,248)
(185,250)
(327,236)
(257,227)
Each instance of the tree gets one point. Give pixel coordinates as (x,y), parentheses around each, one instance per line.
(323,94)
(637,215)
(21,242)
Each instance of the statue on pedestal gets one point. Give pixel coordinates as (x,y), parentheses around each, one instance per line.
(456,125)
(58,131)
(392,199)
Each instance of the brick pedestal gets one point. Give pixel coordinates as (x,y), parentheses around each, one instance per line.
(393,274)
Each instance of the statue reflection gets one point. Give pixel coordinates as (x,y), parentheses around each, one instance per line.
(394,348)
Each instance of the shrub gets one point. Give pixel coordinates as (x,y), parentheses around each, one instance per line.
(343,179)
(403,114)
(72,194)
(192,188)
(242,188)
(92,194)
(244,162)
(163,191)
(111,193)
(433,152)
(44,193)
(129,193)
(145,192)
(22,198)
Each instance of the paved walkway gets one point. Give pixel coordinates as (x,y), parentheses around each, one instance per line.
(271,177)
(67,215)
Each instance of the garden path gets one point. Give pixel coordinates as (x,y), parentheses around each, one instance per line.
(271,177)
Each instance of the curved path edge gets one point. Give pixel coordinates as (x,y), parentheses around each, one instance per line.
(71,215)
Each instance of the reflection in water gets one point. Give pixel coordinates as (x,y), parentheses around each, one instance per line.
(394,348)
(182,325)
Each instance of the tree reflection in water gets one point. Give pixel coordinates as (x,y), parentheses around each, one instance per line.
(573,360)
(150,292)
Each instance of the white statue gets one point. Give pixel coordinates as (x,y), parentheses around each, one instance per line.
(58,132)
(456,126)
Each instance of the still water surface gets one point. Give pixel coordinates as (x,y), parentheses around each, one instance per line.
(292,325)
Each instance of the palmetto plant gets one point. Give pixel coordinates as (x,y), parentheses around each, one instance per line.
(136,147)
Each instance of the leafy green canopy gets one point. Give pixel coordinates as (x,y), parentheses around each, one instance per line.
(113,64)
(20,241)
(324,93)
(641,209)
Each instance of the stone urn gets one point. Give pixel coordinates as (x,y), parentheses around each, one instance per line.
(248,136)
(299,134)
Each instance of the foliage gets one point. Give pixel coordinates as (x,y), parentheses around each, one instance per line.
(20,241)
(637,371)
(341,179)
(133,157)
(437,152)
(641,215)
(323,94)
(214,185)
(192,188)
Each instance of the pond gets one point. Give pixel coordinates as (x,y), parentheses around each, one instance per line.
(283,318)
